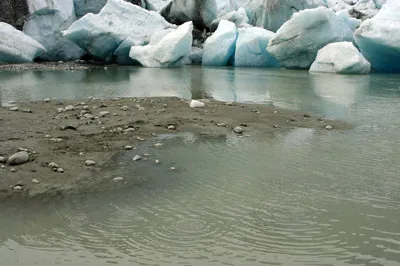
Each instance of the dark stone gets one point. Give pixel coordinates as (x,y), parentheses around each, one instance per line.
(14,12)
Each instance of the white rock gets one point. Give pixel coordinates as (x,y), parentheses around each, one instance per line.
(131,129)
(118,179)
(379,38)
(128,147)
(18,158)
(3,159)
(157,161)
(53,165)
(158,145)
(171,127)
(170,51)
(117,27)
(124,108)
(60,170)
(220,47)
(17,47)
(136,158)
(15,108)
(90,163)
(340,57)
(251,48)
(17,188)
(297,42)
(196,104)
(328,127)
(35,181)
(103,113)
(238,130)
(69,108)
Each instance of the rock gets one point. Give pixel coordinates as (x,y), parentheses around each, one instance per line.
(196,55)
(17,47)
(46,26)
(81,153)
(15,108)
(14,12)
(220,47)
(118,179)
(297,42)
(379,38)
(171,127)
(196,104)
(60,110)
(18,158)
(131,129)
(124,108)
(342,58)
(90,163)
(103,113)
(201,12)
(13,170)
(53,165)
(35,181)
(27,111)
(3,159)
(158,145)
(172,168)
(251,48)
(238,130)
(47,100)
(328,127)
(69,108)
(117,27)
(157,161)
(128,147)
(60,170)
(221,125)
(170,51)
(272,14)
(275,126)
(137,158)
(17,188)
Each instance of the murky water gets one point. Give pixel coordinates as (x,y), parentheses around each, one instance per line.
(305,197)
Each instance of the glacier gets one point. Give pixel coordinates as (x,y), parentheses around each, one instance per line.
(297,42)
(45,26)
(117,27)
(251,48)
(171,51)
(220,46)
(17,47)
(83,7)
(156,5)
(379,38)
(239,17)
(341,58)
(201,12)
(271,14)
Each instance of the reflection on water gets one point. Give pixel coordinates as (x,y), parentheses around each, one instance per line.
(304,197)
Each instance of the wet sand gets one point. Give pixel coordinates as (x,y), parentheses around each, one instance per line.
(71,137)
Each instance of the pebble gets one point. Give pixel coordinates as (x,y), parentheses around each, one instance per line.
(102,105)
(89,116)
(13,170)
(104,113)
(307,115)
(131,129)
(172,168)
(275,126)
(196,104)
(146,154)
(53,165)
(115,114)
(328,127)
(69,108)
(118,179)
(238,130)
(56,139)
(124,108)
(157,145)
(47,136)
(81,153)
(128,147)
(26,111)
(221,125)
(60,170)
(157,161)
(136,158)
(2,159)
(229,103)
(47,100)
(139,138)
(18,158)
(275,112)
(35,181)
(90,163)
(60,109)
(17,188)
(171,127)
(15,108)
(85,107)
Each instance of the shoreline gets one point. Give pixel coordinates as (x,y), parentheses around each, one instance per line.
(55,66)
(72,132)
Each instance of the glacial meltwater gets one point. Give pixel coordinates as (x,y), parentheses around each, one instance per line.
(304,197)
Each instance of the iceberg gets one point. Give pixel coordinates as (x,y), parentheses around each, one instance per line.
(83,7)
(352,22)
(171,51)
(297,42)
(17,47)
(379,38)
(271,14)
(45,26)
(65,7)
(201,12)
(238,17)
(251,48)
(342,58)
(156,5)
(220,46)
(117,27)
